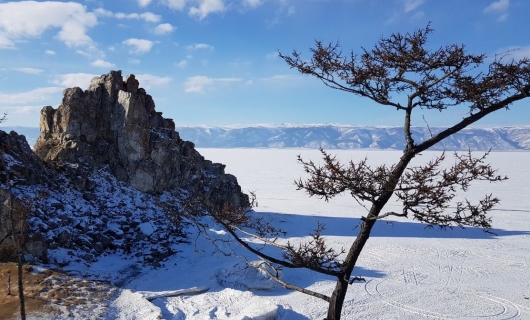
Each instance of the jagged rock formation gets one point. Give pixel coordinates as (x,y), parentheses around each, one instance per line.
(114,124)
(108,172)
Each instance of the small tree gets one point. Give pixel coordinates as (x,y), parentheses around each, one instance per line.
(18,214)
(17,217)
(401,73)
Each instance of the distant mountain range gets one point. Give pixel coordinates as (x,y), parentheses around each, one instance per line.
(351,137)
(337,137)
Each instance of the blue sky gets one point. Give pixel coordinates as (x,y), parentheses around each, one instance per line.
(214,62)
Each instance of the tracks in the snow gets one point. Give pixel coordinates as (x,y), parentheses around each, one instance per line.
(442,283)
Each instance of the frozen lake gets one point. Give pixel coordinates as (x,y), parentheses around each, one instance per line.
(411,272)
(414,272)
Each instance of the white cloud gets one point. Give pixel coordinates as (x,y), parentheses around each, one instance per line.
(199,84)
(70,80)
(206,7)
(175,4)
(133,61)
(28,70)
(83,53)
(497,6)
(91,52)
(150,17)
(252,3)
(103,12)
(284,80)
(35,95)
(182,64)
(164,28)
(143,3)
(148,81)
(412,4)
(146,16)
(26,114)
(103,64)
(49,52)
(139,46)
(201,9)
(30,19)
(22,110)
(5,42)
(199,46)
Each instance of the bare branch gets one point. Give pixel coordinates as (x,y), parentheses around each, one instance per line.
(315,254)
(334,178)
(428,190)
(276,277)
(386,215)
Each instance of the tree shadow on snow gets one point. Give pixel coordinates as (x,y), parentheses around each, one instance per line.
(297,225)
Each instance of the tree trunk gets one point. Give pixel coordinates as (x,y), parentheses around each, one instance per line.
(337,299)
(21,287)
(339,293)
(16,240)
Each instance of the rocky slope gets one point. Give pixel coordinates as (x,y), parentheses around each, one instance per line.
(107,173)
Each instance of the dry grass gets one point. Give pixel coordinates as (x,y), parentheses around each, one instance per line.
(51,291)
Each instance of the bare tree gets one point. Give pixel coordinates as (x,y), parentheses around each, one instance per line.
(402,73)
(18,215)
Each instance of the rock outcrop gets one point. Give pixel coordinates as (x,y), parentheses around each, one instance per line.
(108,172)
(114,124)
(18,167)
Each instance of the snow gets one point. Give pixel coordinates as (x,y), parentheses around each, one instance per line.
(411,272)
(147,228)
(133,305)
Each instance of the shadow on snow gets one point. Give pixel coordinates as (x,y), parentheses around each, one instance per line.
(297,225)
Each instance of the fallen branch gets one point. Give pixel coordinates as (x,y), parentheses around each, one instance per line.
(150,296)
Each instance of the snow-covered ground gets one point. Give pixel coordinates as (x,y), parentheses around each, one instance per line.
(411,272)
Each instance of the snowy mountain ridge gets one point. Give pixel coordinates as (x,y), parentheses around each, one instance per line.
(333,136)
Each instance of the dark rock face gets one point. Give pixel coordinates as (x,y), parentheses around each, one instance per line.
(100,145)
(18,166)
(19,163)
